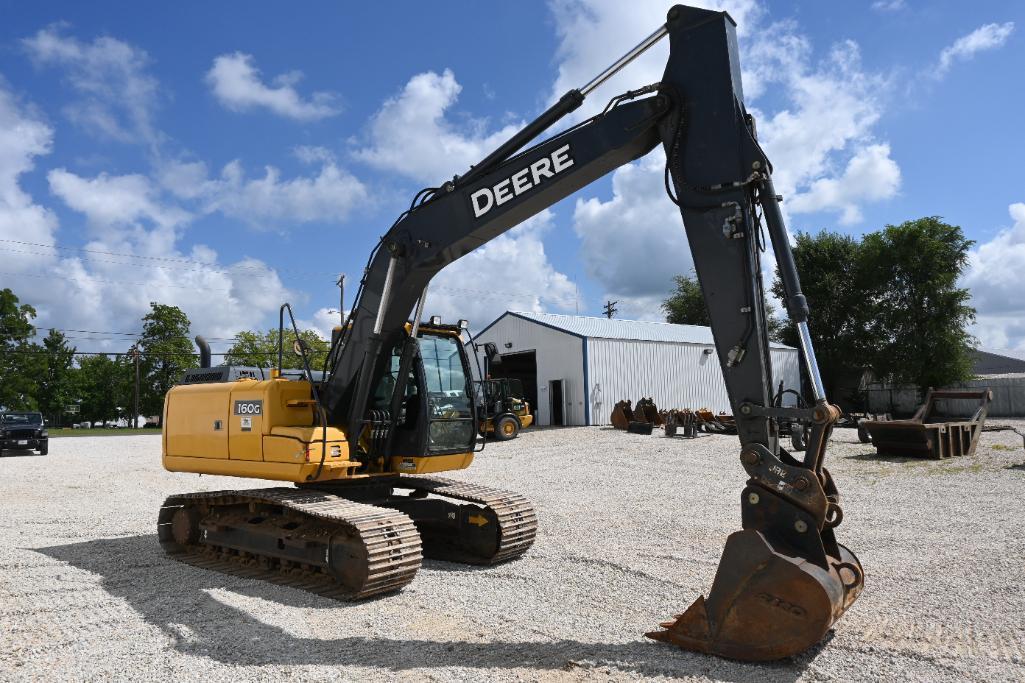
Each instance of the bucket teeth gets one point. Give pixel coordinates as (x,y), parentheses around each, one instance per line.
(764,604)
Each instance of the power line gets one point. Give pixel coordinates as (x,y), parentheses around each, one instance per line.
(163,259)
(113,282)
(108,332)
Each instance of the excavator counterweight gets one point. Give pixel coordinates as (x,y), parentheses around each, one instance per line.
(396,401)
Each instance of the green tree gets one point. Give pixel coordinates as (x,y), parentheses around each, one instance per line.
(686,306)
(834,282)
(921,315)
(101,387)
(18,362)
(54,386)
(260,349)
(167,352)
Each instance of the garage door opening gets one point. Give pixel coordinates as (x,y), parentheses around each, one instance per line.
(521,366)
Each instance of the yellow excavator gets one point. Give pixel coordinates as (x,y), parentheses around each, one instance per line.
(358,444)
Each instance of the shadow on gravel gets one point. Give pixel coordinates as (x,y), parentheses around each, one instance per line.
(175,598)
(19,454)
(875,457)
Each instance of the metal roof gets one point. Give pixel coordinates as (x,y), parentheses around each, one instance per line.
(638,330)
(988,362)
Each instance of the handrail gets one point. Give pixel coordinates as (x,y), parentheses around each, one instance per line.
(309,375)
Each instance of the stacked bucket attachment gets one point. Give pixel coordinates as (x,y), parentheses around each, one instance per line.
(681,422)
(931,433)
(716,424)
(622,414)
(783,580)
(639,419)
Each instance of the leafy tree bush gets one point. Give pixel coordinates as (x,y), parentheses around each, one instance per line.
(167,352)
(686,306)
(18,362)
(260,349)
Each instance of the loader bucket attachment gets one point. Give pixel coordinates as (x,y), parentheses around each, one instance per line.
(622,415)
(647,411)
(949,423)
(765,604)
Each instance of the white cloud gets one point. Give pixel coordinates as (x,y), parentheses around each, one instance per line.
(114,202)
(269,201)
(826,124)
(633,243)
(986,37)
(24,136)
(871,175)
(511,272)
(134,258)
(594,33)
(888,5)
(117,97)
(131,224)
(237,84)
(412,135)
(996,277)
(324,320)
(312,154)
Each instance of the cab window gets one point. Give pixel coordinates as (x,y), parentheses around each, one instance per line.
(449,406)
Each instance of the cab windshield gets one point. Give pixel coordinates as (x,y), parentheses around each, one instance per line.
(449,406)
(21,419)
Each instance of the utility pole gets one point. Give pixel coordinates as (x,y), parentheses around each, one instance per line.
(134,353)
(610,309)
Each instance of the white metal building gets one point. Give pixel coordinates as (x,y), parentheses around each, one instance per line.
(575,368)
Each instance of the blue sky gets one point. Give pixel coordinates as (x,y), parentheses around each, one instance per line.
(228,156)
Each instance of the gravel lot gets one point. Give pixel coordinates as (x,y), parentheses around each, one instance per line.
(631,531)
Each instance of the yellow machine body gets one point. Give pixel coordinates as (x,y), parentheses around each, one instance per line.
(264,429)
(526,419)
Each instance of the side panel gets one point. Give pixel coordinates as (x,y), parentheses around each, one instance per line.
(192,414)
(675,375)
(246,424)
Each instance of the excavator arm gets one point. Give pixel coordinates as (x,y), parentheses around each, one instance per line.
(783,579)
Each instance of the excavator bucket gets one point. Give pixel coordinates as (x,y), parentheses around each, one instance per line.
(765,603)
(622,415)
(783,580)
(647,411)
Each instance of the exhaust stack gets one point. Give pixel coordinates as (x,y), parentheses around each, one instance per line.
(204,351)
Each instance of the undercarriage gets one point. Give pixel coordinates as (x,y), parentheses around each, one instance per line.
(348,540)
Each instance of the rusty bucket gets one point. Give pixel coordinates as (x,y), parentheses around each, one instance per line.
(622,415)
(766,603)
(783,580)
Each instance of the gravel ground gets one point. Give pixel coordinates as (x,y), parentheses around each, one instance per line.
(631,531)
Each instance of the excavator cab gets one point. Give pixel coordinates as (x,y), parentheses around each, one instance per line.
(436,413)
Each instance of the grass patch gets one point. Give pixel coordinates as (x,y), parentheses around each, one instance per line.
(58,433)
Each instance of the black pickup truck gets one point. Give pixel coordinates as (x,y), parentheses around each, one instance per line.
(23,430)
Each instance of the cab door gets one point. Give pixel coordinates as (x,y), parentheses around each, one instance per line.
(445,377)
